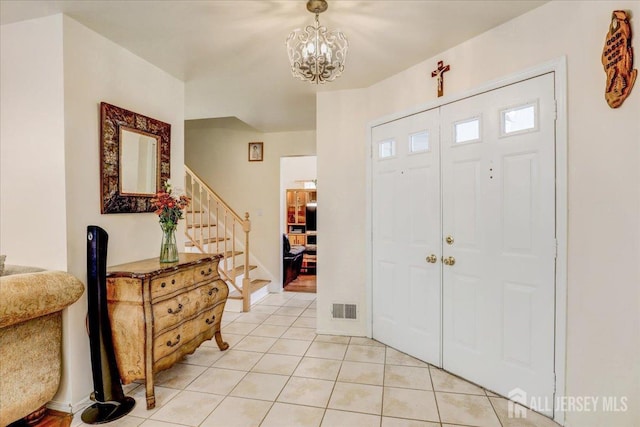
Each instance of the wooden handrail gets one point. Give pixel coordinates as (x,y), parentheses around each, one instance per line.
(225,220)
(199,180)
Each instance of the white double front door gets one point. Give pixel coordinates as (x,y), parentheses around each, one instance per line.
(463,236)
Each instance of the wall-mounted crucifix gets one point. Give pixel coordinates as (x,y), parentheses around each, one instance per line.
(439,73)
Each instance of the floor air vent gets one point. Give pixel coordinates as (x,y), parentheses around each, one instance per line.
(344,311)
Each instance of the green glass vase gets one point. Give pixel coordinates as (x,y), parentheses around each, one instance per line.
(169,247)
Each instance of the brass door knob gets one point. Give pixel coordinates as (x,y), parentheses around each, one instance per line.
(432,259)
(449,240)
(448,260)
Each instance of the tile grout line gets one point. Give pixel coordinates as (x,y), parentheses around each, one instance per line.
(435,397)
(297,365)
(335,382)
(494,410)
(384,376)
(266,352)
(359,349)
(246,373)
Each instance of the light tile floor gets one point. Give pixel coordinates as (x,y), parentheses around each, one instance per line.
(279,373)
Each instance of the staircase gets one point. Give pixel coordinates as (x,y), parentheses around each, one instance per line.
(214,228)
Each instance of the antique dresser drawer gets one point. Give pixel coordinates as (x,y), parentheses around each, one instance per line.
(183,306)
(170,341)
(165,285)
(205,271)
(211,293)
(172,311)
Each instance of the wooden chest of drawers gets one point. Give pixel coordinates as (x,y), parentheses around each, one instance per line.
(161,312)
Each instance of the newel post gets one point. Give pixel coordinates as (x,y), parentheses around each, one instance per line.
(246,281)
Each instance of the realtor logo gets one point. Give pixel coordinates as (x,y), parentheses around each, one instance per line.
(516,396)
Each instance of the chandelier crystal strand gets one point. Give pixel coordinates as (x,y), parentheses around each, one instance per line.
(316,54)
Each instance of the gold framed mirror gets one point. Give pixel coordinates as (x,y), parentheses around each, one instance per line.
(135,159)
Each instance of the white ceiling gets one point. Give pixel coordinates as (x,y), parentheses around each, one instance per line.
(232,57)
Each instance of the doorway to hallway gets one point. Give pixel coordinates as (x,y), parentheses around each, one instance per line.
(299,231)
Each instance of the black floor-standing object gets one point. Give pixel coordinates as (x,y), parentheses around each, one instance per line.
(110,401)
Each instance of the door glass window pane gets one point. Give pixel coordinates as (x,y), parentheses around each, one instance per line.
(386,149)
(419,142)
(468,130)
(518,119)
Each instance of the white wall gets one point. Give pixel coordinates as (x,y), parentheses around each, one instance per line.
(95,70)
(342,179)
(32,164)
(55,73)
(603,323)
(216,150)
(295,169)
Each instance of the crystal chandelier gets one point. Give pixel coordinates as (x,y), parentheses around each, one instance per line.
(317,55)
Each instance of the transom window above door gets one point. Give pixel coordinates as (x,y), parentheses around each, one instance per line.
(419,142)
(466,131)
(386,149)
(519,119)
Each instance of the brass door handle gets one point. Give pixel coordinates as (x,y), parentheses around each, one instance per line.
(448,260)
(432,259)
(449,240)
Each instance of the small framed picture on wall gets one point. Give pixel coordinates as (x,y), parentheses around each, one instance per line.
(255,151)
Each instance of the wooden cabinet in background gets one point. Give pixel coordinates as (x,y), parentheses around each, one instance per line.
(297,239)
(161,312)
(296,226)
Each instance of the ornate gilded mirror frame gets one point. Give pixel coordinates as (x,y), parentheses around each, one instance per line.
(113,121)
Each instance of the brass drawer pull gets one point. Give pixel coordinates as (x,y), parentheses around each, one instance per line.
(164,285)
(208,273)
(173,344)
(211,321)
(178,310)
(212,291)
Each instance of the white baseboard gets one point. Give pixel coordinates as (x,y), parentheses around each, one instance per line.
(71,408)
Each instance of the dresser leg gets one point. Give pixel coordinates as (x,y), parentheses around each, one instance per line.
(149,388)
(151,402)
(151,395)
(221,344)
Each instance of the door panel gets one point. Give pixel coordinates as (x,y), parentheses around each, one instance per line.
(465,199)
(518,301)
(406,229)
(464,316)
(519,185)
(498,297)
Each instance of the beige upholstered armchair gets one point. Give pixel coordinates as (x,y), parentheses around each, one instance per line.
(31,307)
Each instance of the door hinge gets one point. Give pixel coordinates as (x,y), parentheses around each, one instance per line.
(555,248)
(555,109)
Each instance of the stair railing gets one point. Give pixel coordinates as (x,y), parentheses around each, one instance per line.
(209,211)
